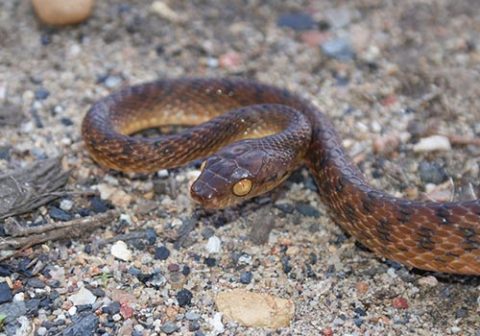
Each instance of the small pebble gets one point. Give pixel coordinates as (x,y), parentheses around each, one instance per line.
(184,297)
(400,303)
(112,309)
(296,21)
(246,278)
(213,245)
(41,94)
(210,262)
(307,210)
(5,152)
(59,214)
(66,121)
(98,205)
(162,253)
(83,297)
(112,81)
(42,331)
(216,325)
(84,325)
(121,251)
(208,232)
(173,267)
(35,283)
(429,281)
(66,205)
(461,313)
(285,207)
(61,12)
(339,48)
(432,172)
(192,316)
(169,327)
(72,311)
(186,270)
(163,10)
(193,325)
(151,236)
(5,293)
(433,143)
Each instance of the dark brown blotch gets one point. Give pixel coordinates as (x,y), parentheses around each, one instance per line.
(443,213)
(425,240)
(404,213)
(383,229)
(350,213)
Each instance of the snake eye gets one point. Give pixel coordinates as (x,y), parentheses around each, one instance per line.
(242,187)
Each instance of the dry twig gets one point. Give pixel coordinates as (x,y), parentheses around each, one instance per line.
(27,189)
(71,229)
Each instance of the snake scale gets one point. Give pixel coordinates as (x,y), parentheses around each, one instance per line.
(253,136)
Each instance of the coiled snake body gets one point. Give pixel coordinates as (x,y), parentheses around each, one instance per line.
(266,135)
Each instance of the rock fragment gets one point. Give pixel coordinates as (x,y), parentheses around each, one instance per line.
(60,12)
(255,309)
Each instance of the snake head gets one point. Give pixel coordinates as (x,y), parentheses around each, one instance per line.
(237,172)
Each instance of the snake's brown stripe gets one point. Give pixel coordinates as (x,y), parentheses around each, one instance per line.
(434,236)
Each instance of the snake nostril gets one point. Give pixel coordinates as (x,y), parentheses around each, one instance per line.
(200,192)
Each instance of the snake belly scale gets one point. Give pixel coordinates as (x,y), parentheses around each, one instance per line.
(253,136)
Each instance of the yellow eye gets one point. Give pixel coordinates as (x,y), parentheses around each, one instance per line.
(202,166)
(242,187)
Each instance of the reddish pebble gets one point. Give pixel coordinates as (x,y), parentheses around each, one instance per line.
(314,38)
(126,311)
(400,303)
(230,59)
(17,285)
(362,287)
(389,100)
(327,332)
(173,267)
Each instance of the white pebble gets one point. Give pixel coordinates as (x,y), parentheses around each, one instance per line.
(126,218)
(82,297)
(165,12)
(42,331)
(139,328)
(72,311)
(121,251)
(433,143)
(391,273)
(117,317)
(19,297)
(61,317)
(213,245)
(74,50)
(217,325)
(245,259)
(66,205)
(455,330)
(162,173)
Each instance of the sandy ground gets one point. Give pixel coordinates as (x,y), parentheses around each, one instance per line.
(405,70)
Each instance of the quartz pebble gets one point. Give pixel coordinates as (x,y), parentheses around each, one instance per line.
(121,251)
(213,245)
(83,297)
(433,143)
(60,12)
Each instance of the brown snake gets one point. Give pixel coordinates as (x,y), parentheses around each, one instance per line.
(267,134)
